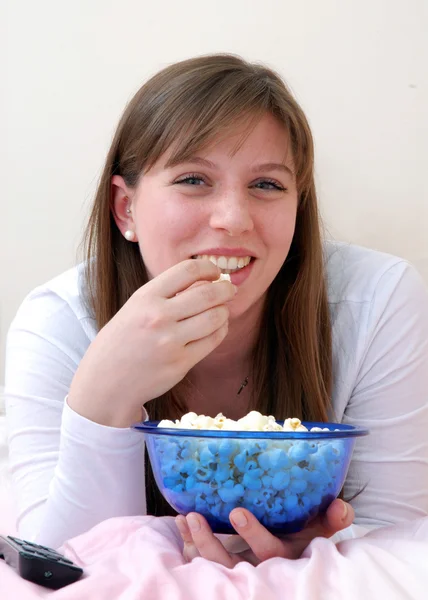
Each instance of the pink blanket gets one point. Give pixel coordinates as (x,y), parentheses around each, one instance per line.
(140,558)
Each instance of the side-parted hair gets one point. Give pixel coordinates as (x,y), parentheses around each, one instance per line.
(183,108)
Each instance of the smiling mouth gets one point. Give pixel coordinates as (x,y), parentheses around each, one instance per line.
(227,264)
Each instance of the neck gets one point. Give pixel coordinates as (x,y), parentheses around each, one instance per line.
(233,357)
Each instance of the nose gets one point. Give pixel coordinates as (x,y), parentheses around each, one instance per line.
(231,213)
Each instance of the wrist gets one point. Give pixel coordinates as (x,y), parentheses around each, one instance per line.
(105,415)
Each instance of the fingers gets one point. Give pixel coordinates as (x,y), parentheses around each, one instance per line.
(236,545)
(263,543)
(198,349)
(200,298)
(181,276)
(202,325)
(199,540)
(189,549)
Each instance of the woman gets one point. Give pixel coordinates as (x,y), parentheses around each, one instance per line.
(212,162)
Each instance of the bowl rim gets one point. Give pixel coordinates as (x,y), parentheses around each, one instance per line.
(345,431)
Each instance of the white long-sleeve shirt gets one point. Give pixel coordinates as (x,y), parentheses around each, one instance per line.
(70,473)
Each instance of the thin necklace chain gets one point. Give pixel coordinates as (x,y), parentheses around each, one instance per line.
(243,384)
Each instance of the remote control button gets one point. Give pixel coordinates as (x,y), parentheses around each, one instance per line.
(17,541)
(39,555)
(51,550)
(52,553)
(48,574)
(65,560)
(29,548)
(51,556)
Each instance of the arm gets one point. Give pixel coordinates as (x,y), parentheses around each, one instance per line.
(78,464)
(390,397)
(69,473)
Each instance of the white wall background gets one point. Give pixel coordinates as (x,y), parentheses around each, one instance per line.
(358,67)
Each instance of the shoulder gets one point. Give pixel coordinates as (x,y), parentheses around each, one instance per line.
(58,303)
(356,274)
(379,314)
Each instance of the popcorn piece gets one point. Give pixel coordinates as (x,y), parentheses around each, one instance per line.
(231,425)
(293,425)
(318,429)
(223,277)
(272,426)
(166,423)
(203,422)
(254,421)
(299,451)
(188,417)
(185,425)
(219,420)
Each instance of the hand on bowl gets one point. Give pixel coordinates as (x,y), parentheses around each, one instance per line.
(199,540)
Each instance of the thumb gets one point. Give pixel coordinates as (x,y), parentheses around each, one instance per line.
(338,516)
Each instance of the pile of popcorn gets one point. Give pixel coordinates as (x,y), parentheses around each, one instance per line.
(253,421)
(279,480)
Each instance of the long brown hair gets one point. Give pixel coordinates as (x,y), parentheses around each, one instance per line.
(184,107)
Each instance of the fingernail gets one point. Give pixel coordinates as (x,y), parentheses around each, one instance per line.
(239,518)
(344,511)
(193,522)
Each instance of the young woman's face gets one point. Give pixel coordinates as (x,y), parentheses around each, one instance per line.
(236,206)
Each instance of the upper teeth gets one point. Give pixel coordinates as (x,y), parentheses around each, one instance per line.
(227,263)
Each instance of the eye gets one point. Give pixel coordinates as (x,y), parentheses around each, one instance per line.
(269,184)
(194,179)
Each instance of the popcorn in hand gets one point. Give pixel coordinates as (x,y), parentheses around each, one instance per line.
(223,277)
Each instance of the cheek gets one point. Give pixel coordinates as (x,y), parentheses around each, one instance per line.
(278,231)
(162,230)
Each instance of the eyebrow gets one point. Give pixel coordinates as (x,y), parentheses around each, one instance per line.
(271,166)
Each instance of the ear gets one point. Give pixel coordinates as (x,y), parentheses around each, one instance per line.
(121,202)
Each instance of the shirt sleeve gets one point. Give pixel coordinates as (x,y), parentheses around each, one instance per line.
(68,473)
(390,398)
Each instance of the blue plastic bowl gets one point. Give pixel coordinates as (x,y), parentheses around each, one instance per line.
(284,478)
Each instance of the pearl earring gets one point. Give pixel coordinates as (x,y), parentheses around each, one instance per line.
(130,235)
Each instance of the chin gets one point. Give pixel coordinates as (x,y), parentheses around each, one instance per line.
(239,308)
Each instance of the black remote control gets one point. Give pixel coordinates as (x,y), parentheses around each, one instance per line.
(38,564)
